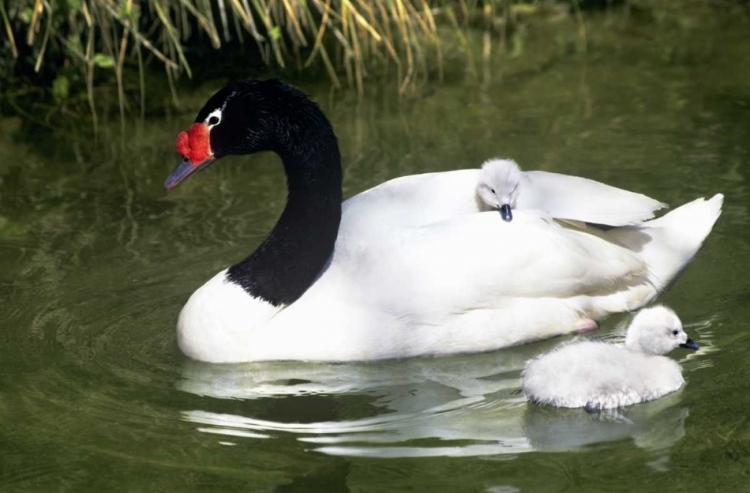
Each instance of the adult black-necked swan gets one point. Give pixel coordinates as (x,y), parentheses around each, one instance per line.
(597,375)
(411,267)
(504,187)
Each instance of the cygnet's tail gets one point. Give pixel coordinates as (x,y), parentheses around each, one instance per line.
(668,243)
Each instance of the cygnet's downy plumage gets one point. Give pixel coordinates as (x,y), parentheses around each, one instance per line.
(597,375)
(498,187)
(503,186)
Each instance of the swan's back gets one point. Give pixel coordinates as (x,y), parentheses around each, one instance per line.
(599,375)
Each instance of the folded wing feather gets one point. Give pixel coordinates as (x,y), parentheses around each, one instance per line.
(581,199)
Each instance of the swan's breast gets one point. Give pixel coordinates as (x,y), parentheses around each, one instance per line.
(219,321)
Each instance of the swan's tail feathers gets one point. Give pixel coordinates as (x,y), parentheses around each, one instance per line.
(668,243)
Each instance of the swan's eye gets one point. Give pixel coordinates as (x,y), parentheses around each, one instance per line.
(492,190)
(214,118)
(675,332)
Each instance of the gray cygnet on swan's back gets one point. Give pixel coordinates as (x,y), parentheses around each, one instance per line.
(597,375)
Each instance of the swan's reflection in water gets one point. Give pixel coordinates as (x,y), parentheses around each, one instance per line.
(462,406)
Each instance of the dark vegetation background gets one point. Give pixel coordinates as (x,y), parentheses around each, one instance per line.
(94,57)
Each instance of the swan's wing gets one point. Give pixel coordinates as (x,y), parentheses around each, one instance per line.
(415,199)
(581,199)
(479,258)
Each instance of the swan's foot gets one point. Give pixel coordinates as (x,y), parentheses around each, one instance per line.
(586,325)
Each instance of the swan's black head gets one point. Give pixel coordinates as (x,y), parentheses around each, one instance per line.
(246,117)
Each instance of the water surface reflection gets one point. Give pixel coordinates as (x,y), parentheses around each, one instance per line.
(460,406)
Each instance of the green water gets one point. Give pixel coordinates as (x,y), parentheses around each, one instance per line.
(96,262)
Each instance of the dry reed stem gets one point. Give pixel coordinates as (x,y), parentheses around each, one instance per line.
(204,22)
(45,40)
(9,30)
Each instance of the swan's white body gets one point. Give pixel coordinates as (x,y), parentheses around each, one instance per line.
(598,375)
(418,269)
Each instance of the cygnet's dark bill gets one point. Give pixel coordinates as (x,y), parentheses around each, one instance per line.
(690,344)
(505,212)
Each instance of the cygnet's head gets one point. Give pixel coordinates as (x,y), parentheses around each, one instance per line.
(498,186)
(657,330)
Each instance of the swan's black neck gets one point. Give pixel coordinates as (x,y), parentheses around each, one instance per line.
(281,269)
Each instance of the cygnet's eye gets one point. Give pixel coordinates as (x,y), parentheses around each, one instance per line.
(675,332)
